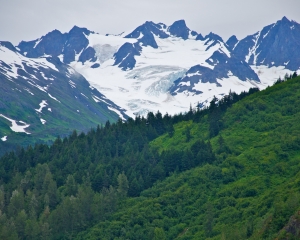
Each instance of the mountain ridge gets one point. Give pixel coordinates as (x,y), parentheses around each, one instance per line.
(47,96)
(249,63)
(152,68)
(265,44)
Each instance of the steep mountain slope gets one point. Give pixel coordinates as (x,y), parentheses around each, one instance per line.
(168,68)
(42,98)
(153,67)
(271,51)
(275,45)
(55,43)
(249,192)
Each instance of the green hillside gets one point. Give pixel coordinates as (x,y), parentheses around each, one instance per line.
(75,108)
(249,192)
(230,171)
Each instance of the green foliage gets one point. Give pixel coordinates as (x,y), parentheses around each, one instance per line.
(249,191)
(230,171)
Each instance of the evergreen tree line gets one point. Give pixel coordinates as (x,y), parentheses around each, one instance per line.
(249,191)
(54,192)
(286,77)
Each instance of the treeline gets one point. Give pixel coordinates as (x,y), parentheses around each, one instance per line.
(108,145)
(286,77)
(54,192)
(249,191)
(51,201)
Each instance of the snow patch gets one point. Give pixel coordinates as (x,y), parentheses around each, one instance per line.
(37,86)
(194,74)
(42,105)
(53,97)
(15,127)
(84,95)
(4,138)
(37,42)
(269,75)
(188,83)
(46,78)
(141,36)
(236,44)
(27,90)
(72,84)
(61,57)
(117,112)
(225,50)
(267,32)
(229,74)
(252,51)
(71,71)
(97,99)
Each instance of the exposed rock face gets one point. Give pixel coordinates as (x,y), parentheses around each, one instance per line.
(275,45)
(292,229)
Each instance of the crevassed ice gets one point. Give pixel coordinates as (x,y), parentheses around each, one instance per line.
(105,52)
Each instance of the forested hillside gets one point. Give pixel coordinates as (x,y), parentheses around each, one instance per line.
(249,191)
(230,171)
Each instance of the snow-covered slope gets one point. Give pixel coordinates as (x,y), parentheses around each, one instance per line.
(43,98)
(144,85)
(168,68)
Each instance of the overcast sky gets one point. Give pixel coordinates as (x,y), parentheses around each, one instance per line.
(31,19)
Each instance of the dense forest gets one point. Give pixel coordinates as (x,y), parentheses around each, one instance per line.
(229,171)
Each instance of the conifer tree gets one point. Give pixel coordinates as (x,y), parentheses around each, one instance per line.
(122,185)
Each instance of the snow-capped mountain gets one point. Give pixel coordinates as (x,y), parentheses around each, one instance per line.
(275,45)
(56,44)
(43,98)
(167,68)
